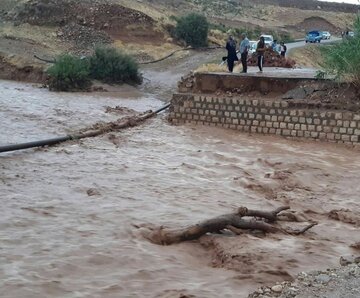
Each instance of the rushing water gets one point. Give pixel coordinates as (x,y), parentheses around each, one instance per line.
(67,212)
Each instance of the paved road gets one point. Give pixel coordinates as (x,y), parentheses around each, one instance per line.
(299,44)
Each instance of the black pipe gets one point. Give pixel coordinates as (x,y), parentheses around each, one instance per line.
(153,61)
(162,108)
(58,140)
(34,144)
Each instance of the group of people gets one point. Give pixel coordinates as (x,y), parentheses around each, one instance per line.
(280,48)
(244,51)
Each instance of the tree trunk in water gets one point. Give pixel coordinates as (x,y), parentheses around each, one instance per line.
(233,222)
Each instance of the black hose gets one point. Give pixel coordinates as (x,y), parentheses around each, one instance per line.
(180,50)
(34,144)
(162,108)
(58,140)
(45,60)
(153,61)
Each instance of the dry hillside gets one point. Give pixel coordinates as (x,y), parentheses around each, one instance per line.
(50,27)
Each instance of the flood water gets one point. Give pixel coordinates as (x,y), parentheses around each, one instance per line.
(67,212)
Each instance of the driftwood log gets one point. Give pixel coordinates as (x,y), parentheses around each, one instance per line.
(243,219)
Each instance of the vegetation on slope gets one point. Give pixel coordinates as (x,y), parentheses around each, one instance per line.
(343,59)
(71,73)
(193,29)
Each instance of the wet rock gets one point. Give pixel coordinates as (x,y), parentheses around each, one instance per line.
(293,291)
(267,290)
(92,192)
(323,278)
(277,288)
(349,259)
(302,275)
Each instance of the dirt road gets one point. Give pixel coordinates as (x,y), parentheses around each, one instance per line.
(67,211)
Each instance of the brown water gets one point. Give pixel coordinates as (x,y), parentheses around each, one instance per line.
(57,241)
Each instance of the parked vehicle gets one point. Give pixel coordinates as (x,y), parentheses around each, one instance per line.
(268,39)
(326,35)
(351,33)
(253,45)
(313,36)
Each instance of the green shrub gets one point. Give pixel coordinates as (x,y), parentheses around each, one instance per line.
(343,59)
(193,29)
(112,66)
(69,73)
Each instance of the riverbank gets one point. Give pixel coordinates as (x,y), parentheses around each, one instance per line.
(330,283)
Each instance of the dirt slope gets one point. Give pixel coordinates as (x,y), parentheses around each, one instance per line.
(48,28)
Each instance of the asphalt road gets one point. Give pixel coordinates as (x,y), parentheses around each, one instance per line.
(299,44)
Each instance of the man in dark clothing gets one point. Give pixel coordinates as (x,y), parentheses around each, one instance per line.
(260,49)
(283,49)
(231,57)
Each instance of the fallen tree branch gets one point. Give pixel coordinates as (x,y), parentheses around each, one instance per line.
(233,222)
(252,225)
(299,232)
(271,216)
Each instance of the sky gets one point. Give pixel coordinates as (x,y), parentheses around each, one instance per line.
(343,1)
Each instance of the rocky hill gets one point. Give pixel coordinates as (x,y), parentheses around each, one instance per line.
(235,4)
(310,5)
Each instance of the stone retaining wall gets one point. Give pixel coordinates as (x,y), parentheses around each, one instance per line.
(267,117)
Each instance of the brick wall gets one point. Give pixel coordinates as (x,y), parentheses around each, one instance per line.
(267,117)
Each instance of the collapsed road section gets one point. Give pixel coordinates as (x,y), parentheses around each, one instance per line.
(293,105)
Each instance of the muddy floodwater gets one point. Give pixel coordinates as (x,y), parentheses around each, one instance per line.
(67,212)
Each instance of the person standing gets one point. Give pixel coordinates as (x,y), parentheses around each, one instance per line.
(231,57)
(244,49)
(260,50)
(274,45)
(283,49)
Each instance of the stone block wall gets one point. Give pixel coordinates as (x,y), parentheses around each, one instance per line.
(281,118)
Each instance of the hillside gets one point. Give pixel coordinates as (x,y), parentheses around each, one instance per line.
(48,28)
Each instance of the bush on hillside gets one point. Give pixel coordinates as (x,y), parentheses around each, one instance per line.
(69,73)
(193,29)
(113,66)
(343,59)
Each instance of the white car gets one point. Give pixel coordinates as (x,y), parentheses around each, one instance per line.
(253,45)
(326,34)
(268,39)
